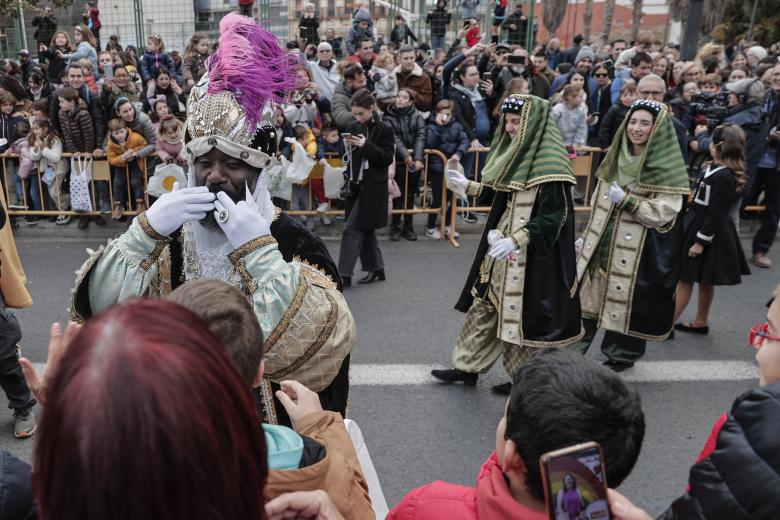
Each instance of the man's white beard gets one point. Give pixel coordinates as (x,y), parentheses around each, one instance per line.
(206,250)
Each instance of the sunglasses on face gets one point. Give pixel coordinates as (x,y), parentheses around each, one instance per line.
(758,334)
(601,75)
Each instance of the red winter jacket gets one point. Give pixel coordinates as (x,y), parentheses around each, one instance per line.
(491,499)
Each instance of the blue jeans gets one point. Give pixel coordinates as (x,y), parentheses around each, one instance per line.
(437,42)
(32,189)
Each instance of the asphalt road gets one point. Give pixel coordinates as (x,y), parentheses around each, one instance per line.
(421,431)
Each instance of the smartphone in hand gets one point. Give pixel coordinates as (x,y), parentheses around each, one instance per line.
(575,482)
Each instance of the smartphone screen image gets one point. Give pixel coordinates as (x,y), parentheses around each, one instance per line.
(575,484)
(108,71)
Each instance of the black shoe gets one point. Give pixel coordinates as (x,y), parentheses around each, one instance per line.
(100,221)
(683,327)
(83,222)
(346,281)
(373,276)
(409,234)
(454,375)
(617,366)
(671,335)
(395,234)
(502,389)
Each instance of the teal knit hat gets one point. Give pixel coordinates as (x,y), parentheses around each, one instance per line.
(285,447)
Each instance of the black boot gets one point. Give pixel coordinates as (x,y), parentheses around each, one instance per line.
(409,234)
(373,276)
(346,281)
(395,234)
(502,389)
(454,375)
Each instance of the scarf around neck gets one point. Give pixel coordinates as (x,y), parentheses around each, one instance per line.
(659,168)
(534,156)
(474,95)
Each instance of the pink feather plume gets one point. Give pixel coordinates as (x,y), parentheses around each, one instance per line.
(250,64)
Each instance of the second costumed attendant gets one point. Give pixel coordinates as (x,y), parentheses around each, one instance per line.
(630,259)
(520,296)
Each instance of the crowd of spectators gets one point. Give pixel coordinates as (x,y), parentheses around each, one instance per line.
(174,375)
(591,87)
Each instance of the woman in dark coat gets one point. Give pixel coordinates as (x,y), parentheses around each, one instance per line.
(409,128)
(369,154)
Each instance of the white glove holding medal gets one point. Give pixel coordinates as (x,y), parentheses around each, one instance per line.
(174,209)
(240,222)
(616,193)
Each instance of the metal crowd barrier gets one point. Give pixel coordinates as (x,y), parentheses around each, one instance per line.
(101,172)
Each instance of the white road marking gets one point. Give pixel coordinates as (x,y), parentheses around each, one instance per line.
(643,372)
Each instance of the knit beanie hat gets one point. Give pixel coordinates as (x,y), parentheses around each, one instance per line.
(585,52)
(758,51)
(284,446)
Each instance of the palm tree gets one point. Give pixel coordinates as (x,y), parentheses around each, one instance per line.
(587,16)
(636,19)
(609,11)
(553,12)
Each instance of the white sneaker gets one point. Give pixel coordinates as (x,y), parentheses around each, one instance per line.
(322,207)
(447,232)
(433,233)
(326,220)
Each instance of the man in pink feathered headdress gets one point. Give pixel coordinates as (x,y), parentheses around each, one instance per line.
(223,225)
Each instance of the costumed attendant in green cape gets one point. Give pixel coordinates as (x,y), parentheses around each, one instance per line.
(629,260)
(520,296)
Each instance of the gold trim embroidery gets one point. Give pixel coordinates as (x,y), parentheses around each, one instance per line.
(236,258)
(161,241)
(319,341)
(81,275)
(315,274)
(149,230)
(292,309)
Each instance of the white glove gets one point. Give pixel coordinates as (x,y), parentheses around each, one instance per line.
(616,193)
(502,248)
(456,182)
(174,209)
(243,223)
(578,245)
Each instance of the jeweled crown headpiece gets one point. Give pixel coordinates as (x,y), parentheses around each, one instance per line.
(513,104)
(225,109)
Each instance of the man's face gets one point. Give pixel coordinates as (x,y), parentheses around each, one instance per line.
(584,65)
(356,84)
(325,55)
(554,44)
(641,70)
(652,90)
(219,171)
(407,61)
(617,48)
(366,51)
(75,77)
(48,11)
(540,62)
(105,59)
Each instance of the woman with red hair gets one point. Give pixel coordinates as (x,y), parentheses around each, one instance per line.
(147,418)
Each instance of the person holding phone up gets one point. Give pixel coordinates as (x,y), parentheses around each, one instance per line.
(370,146)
